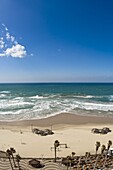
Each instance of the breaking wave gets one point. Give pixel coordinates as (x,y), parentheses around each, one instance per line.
(38,101)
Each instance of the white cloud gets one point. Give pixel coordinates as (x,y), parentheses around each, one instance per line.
(2,42)
(7,36)
(2,55)
(31,54)
(10,37)
(16,51)
(5,27)
(10,47)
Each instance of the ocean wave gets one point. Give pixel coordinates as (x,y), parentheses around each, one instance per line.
(56,104)
(27,107)
(14,105)
(86,97)
(18,98)
(4,92)
(46,96)
(95,106)
(37,97)
(2,95)
(110,98)
(30,101)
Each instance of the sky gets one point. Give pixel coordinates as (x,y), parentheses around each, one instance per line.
(56,41)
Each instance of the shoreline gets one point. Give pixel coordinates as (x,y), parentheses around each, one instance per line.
(60,119)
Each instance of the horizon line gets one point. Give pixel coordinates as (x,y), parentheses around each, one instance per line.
(49,82)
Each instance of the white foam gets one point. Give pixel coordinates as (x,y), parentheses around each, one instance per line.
(14,105)
(86,97)
(4,92)
(18,98)
(89,96)
(95,106)
(36,97)
(110,98)
(31,107)
(2,95)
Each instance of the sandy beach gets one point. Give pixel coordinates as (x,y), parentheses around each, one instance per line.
(70,129)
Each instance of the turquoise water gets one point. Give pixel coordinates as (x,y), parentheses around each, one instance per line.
(38,100)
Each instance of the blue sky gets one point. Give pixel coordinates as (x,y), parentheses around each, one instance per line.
(56,41)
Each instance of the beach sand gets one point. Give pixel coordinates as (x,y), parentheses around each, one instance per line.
(70,129)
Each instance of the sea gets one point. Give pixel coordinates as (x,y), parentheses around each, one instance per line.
(23,101)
